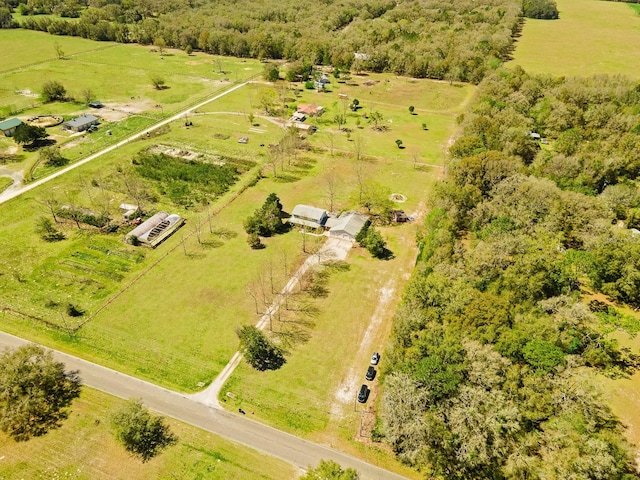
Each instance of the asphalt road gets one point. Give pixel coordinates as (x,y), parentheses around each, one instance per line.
(240,429)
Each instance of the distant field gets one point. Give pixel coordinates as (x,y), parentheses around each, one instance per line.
(591,37)
(84,449)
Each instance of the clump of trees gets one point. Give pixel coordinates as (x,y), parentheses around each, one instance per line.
(259,350)
(142,434)
(372,240)
(265,221)
(408,38)
(487,373)
(51,156)
(35,392)
(542,9)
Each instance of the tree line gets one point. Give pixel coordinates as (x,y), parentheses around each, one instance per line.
(490,373)
(459,40)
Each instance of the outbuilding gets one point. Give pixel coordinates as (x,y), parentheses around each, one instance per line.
(7,127)
(81,123)
(308,216)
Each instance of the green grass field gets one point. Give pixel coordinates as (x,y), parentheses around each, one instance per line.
(84,449)
(168,315)
(562,47)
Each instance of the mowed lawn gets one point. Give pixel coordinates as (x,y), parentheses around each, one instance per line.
(591,37)
(84,449)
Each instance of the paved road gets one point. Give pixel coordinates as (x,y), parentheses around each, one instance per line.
(243,430)
(16,190)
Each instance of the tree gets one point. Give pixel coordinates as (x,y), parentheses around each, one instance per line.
(160,44)
(188,50)
(47,231)
(399,143)
(411,109)
(260,352)
(35,392)
(6,20)
(87,95)
(52,157)
(59,51)
(270,72)
(141,434)
(330,470)
(542,9)
(28,134)
(375,244)
(267,219)
(157,81)
(375,117)
(53,91)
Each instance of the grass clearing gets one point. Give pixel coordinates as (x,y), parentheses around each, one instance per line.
(84,449)
(561,47)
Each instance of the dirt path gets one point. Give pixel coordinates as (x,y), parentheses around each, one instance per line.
(333,249)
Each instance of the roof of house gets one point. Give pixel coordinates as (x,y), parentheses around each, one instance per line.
(350,223)
(309,108)
(10,123)
(308,216)
(84,119)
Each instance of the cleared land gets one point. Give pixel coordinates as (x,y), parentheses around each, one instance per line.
(591,37)
(84,449)
(169,314)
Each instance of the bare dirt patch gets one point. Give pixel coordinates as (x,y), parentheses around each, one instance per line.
(186,154)
(114,112)
(26,92)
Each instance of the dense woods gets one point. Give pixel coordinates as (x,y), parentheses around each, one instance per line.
(491,368)
(459,40)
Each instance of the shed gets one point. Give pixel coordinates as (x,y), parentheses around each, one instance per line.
(81,123)
(308,216)
(305,127)
(156,229)
(348,225)
(7,127)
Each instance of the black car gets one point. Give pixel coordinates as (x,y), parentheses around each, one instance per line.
(363,394)
(371,373)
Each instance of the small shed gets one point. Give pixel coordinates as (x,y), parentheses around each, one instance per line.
(7,127)
(81,123)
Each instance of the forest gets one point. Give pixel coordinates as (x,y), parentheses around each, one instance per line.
(499,337)
(459,40)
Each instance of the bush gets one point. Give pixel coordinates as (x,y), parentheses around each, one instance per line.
(53,91)
(542,9)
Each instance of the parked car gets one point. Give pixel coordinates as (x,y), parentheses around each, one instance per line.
(363,393)
(371,373)
(375,358)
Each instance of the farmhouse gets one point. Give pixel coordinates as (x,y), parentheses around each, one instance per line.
(81,123)
(7,127)
(308,216)
(347,225)
(310,110)
(155,229)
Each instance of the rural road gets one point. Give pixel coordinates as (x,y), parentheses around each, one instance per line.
(16,190)
(242,430)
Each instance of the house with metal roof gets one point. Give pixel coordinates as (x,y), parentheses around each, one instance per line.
(348,225)
(7,127)
(81,123)
(309,216)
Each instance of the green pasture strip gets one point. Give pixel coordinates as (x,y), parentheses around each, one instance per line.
(5,182)
(591,37)
(83,448)
(24,48)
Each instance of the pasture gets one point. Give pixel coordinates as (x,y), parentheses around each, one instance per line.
(562,47)
(84,449)
(168,315)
